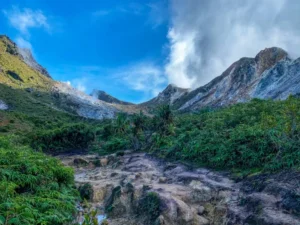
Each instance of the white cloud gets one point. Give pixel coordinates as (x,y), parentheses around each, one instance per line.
(144,77)
(25,19)
(67,82)
(206,37)
(80,84)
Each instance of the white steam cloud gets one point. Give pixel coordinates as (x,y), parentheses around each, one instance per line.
(207,36)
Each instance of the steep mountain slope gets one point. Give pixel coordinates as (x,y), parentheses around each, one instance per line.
(168,96)
(270,75)
(19,70)
(103,96)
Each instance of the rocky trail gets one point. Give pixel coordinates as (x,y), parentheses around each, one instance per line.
(188,196)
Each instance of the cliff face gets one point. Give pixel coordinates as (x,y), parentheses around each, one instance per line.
(168,96)
(27,57)
(270,75)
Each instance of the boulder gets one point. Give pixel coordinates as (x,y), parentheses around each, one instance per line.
(79,162)
(104,162)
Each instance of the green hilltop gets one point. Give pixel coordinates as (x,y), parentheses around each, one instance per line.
(15,72)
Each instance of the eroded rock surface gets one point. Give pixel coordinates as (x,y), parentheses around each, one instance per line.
(186,195)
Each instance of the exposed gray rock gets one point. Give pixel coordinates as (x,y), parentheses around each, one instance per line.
(3,105)
(270,75)
(82,104)
(167,96)
(27,57)
(191,196)
(75,101)
(103,96)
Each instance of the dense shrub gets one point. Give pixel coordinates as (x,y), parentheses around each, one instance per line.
(149,207)
(256,135)
(86,191)
(34,188)
(72,137)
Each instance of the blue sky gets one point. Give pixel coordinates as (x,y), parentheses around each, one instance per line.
(133,48)
(119,46)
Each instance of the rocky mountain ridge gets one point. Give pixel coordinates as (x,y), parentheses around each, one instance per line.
(272,74)
(103,96)
(19,70)
(168,96)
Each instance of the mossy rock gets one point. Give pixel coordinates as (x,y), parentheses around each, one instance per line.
(86,192)
(79,162)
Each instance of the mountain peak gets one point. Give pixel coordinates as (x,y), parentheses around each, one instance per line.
(103,96)
(168,96)
(268,57)
(270,75)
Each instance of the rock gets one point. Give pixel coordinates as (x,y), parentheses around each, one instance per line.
(104,161)
(79,162)
(30,61)
(162,180)
(138,175)
(102,95)
(167,96)
(114,174)
(201,210)
(3,105)
(112,159)
(270,75)
(200,192)
(160,220)
(200,220)
(91,165)
(99,192)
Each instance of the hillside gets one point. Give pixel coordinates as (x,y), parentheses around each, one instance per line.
(19,72)
(270,75)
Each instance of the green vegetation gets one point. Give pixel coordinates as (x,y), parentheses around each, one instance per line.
(37,189)
(259,135)
(14,72)
(34,188)
(149,207)
(68,138)
(86,191)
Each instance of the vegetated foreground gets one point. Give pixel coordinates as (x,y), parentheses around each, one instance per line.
(256,137)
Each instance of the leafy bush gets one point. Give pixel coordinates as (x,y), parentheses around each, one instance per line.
(259,135)
(73,137)
(34,188)
(115,144)
(86,191)
(149,207)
